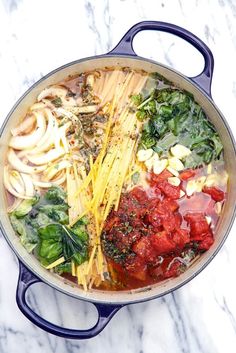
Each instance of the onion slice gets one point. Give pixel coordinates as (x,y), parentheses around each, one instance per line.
(16,182)
(30,140)
(29,186)
(17,164)
(9,187)
(44,158)
(54,169)
(53,91)
(24,125)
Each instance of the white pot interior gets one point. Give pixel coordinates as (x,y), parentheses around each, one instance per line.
(224,223)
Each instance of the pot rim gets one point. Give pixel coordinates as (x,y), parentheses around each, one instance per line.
(203,265)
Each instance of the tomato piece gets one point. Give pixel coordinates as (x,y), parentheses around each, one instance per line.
(187,174)
(173,271)
(162,243)
(170,204)
(157,178)
(198,225)
(144,249)
(111,222)
(171,191)
(139,194)
(181,237)
(169,222)
(216,194)
(207,242)
(136,267)
(178,220)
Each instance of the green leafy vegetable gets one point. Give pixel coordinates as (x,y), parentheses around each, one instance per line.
(57,240)
(174,117)
(40,223)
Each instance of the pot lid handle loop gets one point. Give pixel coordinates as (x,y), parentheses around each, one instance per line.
(27,278)
(125,47)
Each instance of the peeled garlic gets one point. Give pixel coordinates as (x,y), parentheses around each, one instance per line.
(150,162)
(180,151)
(159,166)
(173,171)
(175,163)
(143,155)
(195,185)
(174,181)
(208,219)
(218,207)
(181,194)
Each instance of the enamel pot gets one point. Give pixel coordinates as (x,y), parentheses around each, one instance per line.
(108,303)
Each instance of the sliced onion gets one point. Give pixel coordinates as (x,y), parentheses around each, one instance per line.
(24,125)
(44,158)
(53,91)
(17,164)
(49,130)
(17,182)
(29,186)
(62,133)
(53,170)
(37,106)
(60,180)
(15,204)
(9,187)
(30,140)
(42,184)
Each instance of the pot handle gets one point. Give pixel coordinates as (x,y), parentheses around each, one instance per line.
(27,278)
(203,80)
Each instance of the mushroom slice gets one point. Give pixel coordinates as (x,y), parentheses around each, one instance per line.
(44,158)
(9,187)
(30,140)
(29,186)
(17,164)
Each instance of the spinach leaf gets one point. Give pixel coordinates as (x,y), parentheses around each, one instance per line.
(55,195)
(174,117)
(57,240)
(63,268)
(28,236)
(25,207)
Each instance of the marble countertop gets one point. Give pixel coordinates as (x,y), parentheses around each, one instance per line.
(37,36)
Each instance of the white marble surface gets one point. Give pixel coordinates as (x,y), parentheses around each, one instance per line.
(37,36)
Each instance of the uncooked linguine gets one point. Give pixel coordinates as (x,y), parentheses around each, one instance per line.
(115,179)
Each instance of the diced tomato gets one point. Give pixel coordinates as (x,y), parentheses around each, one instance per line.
(181,237)
(157,178)
(207,242)
(178,220)
(139,194)
(173,271)
(162,243)
(216,194)
(136,267)
(187,174)
(169,222)
(171,191)
(198,225)
(170,204)
(144,249)
(111,222)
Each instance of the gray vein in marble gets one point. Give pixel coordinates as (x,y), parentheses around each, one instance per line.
(11,5)
(107,21)
(227,311)
(208,34)
(92,25)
